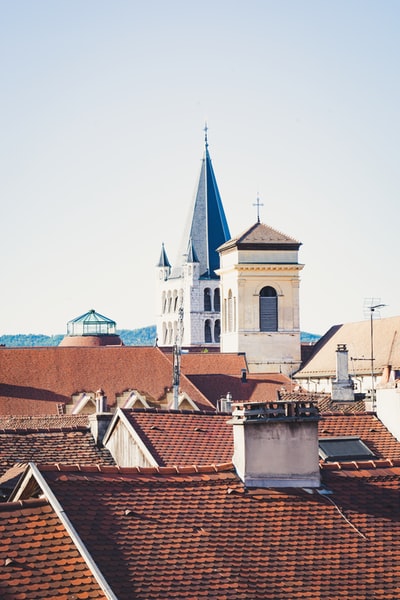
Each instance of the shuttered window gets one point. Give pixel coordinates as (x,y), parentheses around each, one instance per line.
(268,309)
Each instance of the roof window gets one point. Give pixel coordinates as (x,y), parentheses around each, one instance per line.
(344,448)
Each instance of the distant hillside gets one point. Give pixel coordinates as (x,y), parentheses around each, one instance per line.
(144,336)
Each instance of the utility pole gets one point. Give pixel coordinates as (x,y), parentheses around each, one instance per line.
(372,310)
(177,352)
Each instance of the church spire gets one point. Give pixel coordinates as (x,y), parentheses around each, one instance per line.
(207,227)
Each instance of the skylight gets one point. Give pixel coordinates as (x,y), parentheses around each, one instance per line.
(344,448)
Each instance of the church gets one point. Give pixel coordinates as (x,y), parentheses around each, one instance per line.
(230,294)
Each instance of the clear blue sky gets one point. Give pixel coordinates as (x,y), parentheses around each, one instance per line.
(103,105)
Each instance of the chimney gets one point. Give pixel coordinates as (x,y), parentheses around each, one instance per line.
(276,444)
(225,404)
(100,420)
(342,386)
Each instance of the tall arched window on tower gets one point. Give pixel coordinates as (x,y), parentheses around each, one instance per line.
(207,332)
(207,299)
(268,309)
(217,331)
(217,300)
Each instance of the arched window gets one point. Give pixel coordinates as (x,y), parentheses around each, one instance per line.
(217,331)
(164,303)
(217,300)
(268,309)
(207,332)
(207,299)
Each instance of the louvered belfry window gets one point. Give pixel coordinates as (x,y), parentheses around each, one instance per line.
(268,309)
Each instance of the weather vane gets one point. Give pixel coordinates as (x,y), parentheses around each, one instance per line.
(258,204)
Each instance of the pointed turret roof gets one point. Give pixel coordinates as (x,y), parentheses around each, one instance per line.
(163,261)
(207,227)
(260,236)
(191,253)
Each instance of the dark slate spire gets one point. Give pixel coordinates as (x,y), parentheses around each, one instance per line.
(163,262)
(191,253)
(207,227)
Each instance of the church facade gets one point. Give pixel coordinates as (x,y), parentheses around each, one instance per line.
(237,294)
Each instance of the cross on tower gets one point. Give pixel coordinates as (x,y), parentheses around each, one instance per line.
(258,204)
(206,134)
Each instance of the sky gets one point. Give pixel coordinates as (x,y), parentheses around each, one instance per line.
(103,104)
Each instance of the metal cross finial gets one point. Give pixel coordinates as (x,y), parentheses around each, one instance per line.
(258,204)
(205,134)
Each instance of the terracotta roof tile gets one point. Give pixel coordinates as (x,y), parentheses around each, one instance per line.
(187,438)
(184,438)
(189,535)
(48,440)
(37,380)
(38,558)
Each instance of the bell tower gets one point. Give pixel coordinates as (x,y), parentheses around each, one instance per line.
(260,279)
(188,295)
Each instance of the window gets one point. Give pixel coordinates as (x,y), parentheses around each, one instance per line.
(207,331)
(217,300)
(207,299)
(268,309)
(344,448)
(217,331)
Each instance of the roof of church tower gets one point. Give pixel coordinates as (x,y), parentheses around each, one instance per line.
(207,227)
(163,261)
(261,236)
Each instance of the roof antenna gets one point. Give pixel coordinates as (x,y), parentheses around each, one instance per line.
(205,134)
(258,204)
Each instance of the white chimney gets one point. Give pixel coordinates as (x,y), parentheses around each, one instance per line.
(342,387)
(276,444)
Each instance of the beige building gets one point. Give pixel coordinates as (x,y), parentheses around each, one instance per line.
(260,279)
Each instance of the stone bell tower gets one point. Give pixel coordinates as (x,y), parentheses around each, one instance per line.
(260,278)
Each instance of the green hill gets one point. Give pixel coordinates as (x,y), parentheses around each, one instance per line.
(145,336)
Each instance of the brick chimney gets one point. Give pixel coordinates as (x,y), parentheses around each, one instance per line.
(276,444)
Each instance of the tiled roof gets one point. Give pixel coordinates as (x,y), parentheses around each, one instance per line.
(41,440)
(260,235)
(198,533)
(38,558)
(357,338)
(212,363)
(183,438)
(256,388)
(366,426)
(43,422)
(51,375)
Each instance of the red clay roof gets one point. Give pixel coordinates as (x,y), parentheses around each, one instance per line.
(256,388)
(48,440)
(52,375)
(185,438)
(38,558)
(180,534)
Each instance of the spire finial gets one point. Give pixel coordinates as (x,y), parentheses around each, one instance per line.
(205,134)
(258,204)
